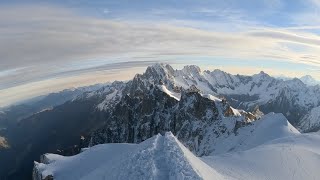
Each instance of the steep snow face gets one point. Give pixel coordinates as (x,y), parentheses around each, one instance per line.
(159,158)
(311,121)
(295,157)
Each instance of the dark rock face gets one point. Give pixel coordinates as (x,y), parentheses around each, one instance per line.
(284,104)
(145,110)
(280,104)
(38,176)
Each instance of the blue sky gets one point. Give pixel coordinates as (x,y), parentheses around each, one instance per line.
(50,45)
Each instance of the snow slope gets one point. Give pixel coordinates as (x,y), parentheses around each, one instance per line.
(269,127)
(164,157)
(296,157)
(159,158)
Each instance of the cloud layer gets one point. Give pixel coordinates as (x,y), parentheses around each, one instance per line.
(39,43)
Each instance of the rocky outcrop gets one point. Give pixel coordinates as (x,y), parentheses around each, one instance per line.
(3,143)
(36,172)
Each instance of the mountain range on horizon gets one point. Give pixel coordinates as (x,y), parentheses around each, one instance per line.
(210,112)
(306,79)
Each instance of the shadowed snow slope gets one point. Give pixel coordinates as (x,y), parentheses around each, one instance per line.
(159,158)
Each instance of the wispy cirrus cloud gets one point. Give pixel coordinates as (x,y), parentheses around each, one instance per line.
(41,43)
(59,36)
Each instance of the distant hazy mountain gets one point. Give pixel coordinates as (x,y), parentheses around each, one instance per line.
(309,80)
(13,114)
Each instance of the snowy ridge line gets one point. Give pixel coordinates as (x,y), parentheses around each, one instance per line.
(161,160)
(163,157)
(179,165)
(158,158)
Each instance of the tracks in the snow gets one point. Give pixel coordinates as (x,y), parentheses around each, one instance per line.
(161,163)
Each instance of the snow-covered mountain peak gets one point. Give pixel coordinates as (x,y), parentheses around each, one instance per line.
(261,76)
(191,69)
(218,72)
(262,72)
(159,70)
(296,84)
(307,77)
(309,80)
